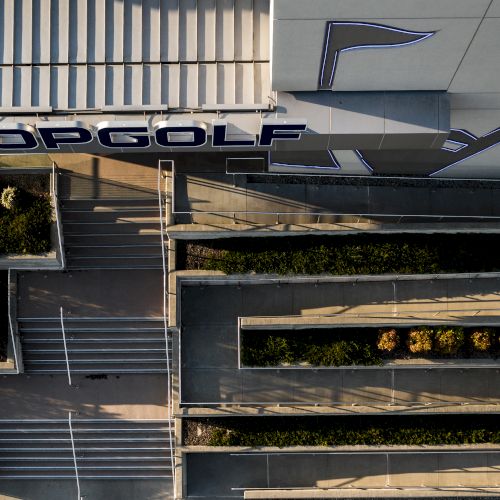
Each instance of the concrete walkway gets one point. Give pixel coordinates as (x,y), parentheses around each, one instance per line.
(95,293)
(217,198)
(229,475)
(98,490)
(209,356)
(113,396)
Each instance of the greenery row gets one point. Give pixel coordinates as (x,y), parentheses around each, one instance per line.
(25,221)
(3,313)
(265,432)
(346,255)
(364,346)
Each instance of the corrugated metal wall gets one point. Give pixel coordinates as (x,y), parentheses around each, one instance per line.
(88,54)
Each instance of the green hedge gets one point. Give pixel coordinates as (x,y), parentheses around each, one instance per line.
(4,318)
(282,433)
(321,348)
(26,229)
(345,255)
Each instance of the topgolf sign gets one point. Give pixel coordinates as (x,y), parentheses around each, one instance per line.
(141,135)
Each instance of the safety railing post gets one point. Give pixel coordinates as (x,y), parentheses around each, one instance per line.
(55,202)
(11,324)
(74,456)
(165,320)
(65,347)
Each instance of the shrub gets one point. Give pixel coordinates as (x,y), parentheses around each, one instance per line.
(482,339)
(26,230)
(280,434)
(268,351)
(420,339)
(448,339)
(388,339)
(9,198)
(341,353)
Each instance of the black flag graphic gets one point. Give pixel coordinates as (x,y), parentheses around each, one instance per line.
(342,36)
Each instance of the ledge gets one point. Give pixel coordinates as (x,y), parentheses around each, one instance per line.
(45,261)
(211,231)
(353,409)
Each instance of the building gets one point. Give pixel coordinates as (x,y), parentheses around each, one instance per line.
(181,120)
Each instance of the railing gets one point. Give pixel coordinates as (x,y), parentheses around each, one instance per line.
(64,343)
(339,404)
(165,321)
(55,201)
(358,218)
(411,313)
(74,455)
(11,325)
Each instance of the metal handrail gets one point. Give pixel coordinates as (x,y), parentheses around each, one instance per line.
(55,200)
(74,455)
(165,322)
(297,404)
(64,343)
(11,324)
(340,214)
(434,312)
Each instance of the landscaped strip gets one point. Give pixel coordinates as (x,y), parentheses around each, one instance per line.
(343,431)
(25,219)
(345,254)
(365,346)
(4,314)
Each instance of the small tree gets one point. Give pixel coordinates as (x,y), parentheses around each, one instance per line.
(449,339)
(420,339)
(388,339)
(9,197)
(481,339)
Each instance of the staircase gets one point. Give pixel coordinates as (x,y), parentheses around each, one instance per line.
(105,448)
(112,233)
(95,345)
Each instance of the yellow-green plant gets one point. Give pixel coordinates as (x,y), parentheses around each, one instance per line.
(420,340)
(481,339)
(388,339)
(448,339)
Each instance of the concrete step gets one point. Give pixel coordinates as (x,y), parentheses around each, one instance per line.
(123,449)
(95,345)
(125,249)
(93,324)
(145,236)
(124,262)
(86,216)
(96,369)
(112,233)
(92,344)
(109,204)
(122,225)
(74,186)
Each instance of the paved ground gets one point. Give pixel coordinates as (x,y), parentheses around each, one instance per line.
(227,475)
(131,292)
(152,489)
(116,396)
(210,373)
